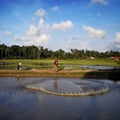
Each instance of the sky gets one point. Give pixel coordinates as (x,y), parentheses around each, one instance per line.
(61,24)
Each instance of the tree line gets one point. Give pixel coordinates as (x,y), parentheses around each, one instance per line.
(34,52)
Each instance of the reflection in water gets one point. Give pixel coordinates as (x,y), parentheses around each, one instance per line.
(95,67)
(19,103)
(56,84)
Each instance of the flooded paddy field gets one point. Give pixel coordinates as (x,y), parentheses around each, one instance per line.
(17,102)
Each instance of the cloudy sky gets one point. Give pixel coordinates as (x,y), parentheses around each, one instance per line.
(61,24)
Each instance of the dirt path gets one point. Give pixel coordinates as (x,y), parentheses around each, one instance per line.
(36,72)
(43,71)
(67,73)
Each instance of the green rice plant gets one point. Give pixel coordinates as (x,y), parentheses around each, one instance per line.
(48,63)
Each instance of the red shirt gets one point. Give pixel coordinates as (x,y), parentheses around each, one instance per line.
(56,62)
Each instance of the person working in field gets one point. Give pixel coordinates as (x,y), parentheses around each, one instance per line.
(19,66)
(55,64)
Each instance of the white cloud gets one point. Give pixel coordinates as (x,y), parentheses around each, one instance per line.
(33,30)
(43,26)
(41,13)
(94,32)
(19,38)
(115,45)
(104,2)
(117,40)
(41,40)
(55,8)
(76,43)
(40,34)
(63,25)
(80,45)
(7,33)
(41,21)
(36,35)
(118,37)
(38,40)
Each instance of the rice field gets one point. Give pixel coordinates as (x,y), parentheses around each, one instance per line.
(48,63)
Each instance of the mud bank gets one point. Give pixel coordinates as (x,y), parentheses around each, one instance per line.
(104,74)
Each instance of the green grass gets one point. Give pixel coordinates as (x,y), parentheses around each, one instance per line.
(48,64)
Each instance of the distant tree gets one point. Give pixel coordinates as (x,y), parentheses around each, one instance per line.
(34,52)
(3,51)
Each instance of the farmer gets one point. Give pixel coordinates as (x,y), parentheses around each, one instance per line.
(55,64)
(19,66)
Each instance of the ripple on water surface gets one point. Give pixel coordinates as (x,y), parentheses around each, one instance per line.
(78,87)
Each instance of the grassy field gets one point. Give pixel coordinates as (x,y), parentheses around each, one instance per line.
(48,63)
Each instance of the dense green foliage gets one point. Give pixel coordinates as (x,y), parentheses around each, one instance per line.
(48,63)
(33,52)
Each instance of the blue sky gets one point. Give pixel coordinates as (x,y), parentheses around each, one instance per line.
(61,24)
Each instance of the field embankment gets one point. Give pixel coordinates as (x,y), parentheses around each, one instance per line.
(106,74)
(45,68)
(48,63)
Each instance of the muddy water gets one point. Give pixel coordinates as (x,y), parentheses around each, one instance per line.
(19,103)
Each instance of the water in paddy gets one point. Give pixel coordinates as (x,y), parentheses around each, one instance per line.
(20,103)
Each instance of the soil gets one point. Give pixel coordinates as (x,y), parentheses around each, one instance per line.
(36,72)
(97,74)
